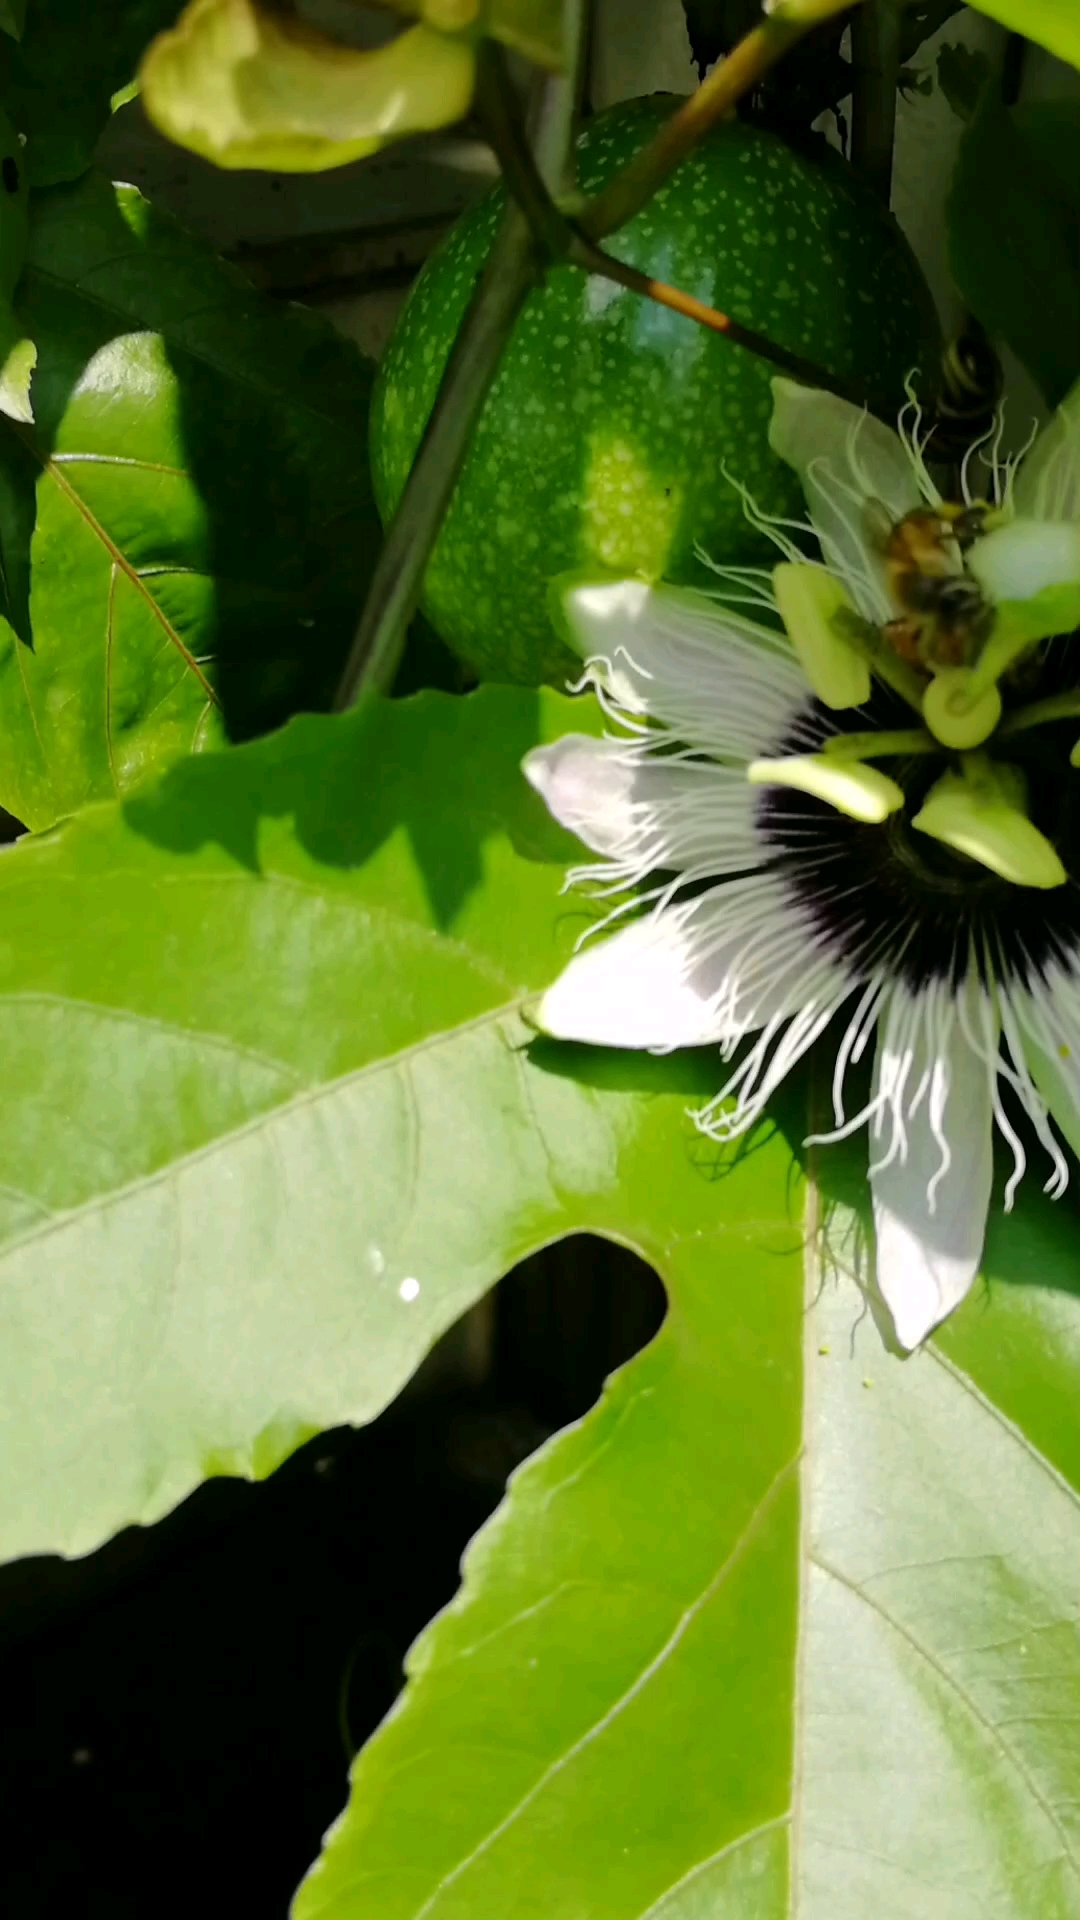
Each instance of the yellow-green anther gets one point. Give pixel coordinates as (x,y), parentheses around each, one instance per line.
(852,788)
(976,813)
(814,607)
(959,712)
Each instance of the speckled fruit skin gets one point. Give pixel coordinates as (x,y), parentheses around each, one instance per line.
(608,428)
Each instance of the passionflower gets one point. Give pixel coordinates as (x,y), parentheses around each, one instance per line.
(859,810)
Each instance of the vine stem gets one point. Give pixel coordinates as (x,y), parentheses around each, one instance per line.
(559,238)
(595,260)
(510,272)
(395,585)
(875,60)
(729,80)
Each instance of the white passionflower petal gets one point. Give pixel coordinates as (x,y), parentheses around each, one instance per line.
(712,969)
(644,811)
(850,466)
(715,680)
(1047,486)
(1047,1015)
(932,1129)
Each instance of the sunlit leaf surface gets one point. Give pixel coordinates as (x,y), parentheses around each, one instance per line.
(1053,23)
(786,1624)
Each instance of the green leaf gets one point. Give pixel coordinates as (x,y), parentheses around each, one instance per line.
(13,17)
(786,1624)
(1052,23)
(262,1026)
(534,27)
(783,1606)
(604,1715)
(1013,219)
(58,80)
(188,529)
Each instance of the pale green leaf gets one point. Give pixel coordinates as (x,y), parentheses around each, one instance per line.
(1053,23)
(787,1622)
(787,1625)
(187,529)
(534,27)
(250,85)
(263,1044)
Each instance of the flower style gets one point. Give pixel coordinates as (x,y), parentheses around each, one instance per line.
(864,809)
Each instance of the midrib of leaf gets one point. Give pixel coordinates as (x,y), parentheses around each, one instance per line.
(120,561)
(813,1221)
(263,1123)
(816,1273)
(991,1733)
(628,1695)
(728,1852)
(110,621)
(73,459)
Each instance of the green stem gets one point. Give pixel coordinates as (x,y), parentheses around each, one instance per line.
(888,666)
(412,533)
(880,746)
(557,239)
(1057,706)
(875,60)
(510,272)
(497,109)
(734,76)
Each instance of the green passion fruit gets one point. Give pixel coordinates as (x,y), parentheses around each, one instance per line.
(614,428)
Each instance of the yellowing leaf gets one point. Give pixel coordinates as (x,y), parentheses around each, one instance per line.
(534,27)
(1053,23)
(248,88)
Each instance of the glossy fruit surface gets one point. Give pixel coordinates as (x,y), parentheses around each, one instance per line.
(615,429)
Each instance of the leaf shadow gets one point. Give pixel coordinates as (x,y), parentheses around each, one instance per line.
(267,419)
(347,783)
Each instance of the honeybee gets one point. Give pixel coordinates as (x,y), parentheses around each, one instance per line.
(943,617)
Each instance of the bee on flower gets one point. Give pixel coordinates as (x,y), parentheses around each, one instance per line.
(860,813)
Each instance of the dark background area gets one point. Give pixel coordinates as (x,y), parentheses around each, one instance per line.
(179,1708)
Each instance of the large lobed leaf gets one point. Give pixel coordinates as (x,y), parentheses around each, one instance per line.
(187,529)
(786,1623)
(265,1061)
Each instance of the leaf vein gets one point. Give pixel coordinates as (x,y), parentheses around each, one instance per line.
(966,1699)
(120,560)
(629,1694)
(714,1860)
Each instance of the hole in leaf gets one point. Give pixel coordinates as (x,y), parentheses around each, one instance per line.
(190,1692)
